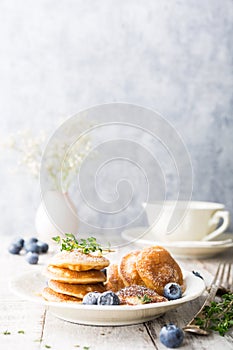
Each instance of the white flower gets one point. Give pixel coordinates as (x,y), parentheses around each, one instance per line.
(59,161)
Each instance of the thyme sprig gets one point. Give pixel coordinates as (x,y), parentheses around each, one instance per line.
(145,299)
(218,316)
(86,246)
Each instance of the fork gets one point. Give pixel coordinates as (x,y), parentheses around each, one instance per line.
(222,282)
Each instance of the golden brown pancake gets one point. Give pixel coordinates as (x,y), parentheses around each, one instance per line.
(114,281)
(136,295)
(80,277)
(128,271)
(75,290)
(156,268)
(78,261)
(50,295)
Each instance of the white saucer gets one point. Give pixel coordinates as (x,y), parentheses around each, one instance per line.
(29,286)
(183,249)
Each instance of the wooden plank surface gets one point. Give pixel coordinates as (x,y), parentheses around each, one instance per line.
(43,330)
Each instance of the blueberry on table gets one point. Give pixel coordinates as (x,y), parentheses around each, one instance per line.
(43,247)
(91,298)
(14,249)
(32,258)
(108,298)
(32,247)
(172,291)
(32,240)
(171,336)
(18,241)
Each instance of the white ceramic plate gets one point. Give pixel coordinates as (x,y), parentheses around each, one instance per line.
(184,249)
(29,285)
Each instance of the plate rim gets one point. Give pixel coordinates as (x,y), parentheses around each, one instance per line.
(120,308)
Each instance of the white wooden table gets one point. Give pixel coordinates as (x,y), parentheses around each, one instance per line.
(43,331)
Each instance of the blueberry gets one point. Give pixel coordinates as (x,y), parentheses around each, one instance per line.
(197,274)
(91,298)
(32,258)
(32,247)
(172,291)
(104,271)
(108,298)
(14,249)
(171,336)
(18,241)
(32,240)
(43,247)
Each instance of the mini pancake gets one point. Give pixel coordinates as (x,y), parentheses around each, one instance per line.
(78,261)
(114,281)
(134,294)
(128,271)
(75,290)
(156,268)
(50,295)
(80,277)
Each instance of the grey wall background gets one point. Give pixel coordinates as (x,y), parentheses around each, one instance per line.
(58,57)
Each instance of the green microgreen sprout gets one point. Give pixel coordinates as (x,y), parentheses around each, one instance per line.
(145,299)
(86,246)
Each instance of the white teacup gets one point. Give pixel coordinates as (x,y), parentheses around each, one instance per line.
(186,221)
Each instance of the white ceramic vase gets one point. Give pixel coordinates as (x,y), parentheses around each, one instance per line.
(56,215)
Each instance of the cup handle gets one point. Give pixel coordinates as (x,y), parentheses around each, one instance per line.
(220,214)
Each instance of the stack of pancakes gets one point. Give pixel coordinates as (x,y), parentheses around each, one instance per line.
(151,267)
(139,274)
(73,274)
